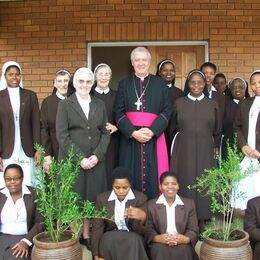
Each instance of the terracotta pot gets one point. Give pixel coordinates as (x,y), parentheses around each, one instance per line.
(212,249)
(68,249)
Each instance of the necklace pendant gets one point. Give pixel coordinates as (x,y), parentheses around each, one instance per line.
(138,104)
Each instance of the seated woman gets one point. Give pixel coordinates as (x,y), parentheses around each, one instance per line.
(252,225)
(19,219)
(172,230)
(121,239)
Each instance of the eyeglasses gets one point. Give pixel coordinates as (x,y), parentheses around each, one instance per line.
(103,75)
(15,179)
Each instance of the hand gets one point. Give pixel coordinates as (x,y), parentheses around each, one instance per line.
(20,249)
(1,164)
(111,128)
(88,163)
(250,152)
(135,213)
(180,239)
(164,239)
(36,158)
(93,160)
(171,240)
(141,135)
(84,163)
(47,163)
(148,132)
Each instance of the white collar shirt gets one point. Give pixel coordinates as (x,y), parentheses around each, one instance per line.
(170,212)
(59,95)
(196,98)
(119,210)
(84,103)
(14,215)
(101,91)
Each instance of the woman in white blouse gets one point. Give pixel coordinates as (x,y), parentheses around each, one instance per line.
(173,229)
(123,237)
(19,218)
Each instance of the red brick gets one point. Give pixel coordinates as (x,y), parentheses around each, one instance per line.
(231,27)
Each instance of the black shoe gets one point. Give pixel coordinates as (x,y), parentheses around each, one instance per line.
(86,242)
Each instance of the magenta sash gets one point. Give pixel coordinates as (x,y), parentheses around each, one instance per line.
(145,119)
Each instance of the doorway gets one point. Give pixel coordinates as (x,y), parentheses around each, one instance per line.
(186,55)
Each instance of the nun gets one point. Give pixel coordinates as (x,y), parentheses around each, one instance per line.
(247,127)
(81,125)
(48,116)
(19,123)
(167,70)
(238,90)
(103,91)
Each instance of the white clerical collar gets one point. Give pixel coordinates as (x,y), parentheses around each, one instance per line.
(15,90)
(82,100)
(236,100)
(169,85)
(162,200)
(6,192)
(130,196)
(142,78)
(59,95)
(196,98)
(101,91)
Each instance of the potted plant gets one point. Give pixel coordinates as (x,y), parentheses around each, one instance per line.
(62,209)
(224,240)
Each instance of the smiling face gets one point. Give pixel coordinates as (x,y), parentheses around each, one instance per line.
(103,76)
(255,84)
(13,180)
(196,84)
(237,89)
(13,77)
(210,74)
(167,72)
(83,84)
(141,63)
(121,188)
(61,83)
(169,187)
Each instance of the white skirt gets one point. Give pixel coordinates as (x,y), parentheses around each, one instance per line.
(249,187)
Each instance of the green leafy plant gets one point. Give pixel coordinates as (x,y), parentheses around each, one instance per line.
(219,183)
(60,206)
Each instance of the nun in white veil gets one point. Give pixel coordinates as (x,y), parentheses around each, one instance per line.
(247,126)
(19,123)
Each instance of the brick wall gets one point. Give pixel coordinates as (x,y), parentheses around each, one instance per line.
(45,35)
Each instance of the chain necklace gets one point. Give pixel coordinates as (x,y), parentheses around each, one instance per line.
(138,102)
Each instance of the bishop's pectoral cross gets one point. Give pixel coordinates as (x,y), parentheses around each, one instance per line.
(138,103)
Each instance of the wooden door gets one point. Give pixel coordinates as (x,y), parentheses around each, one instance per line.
(186,58)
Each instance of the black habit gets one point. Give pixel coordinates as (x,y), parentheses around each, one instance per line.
(228,129)
(112,150)
(193,150)
(48,125)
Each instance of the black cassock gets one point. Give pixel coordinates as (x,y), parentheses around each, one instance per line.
(141,159)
